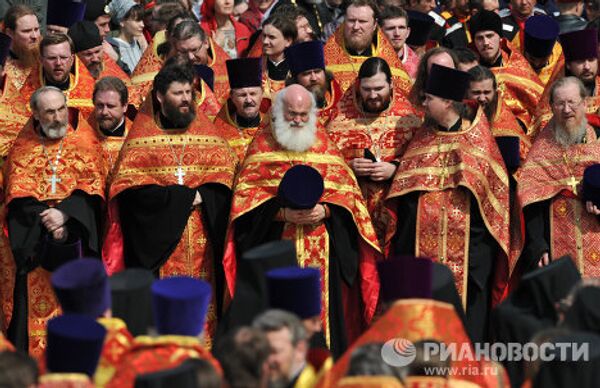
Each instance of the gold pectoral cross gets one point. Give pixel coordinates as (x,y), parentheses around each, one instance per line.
(573,183)
(444,175)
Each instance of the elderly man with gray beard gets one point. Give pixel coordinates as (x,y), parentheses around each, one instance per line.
(295,185)
(558,220)
(54,189)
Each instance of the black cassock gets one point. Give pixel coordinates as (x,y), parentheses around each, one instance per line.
(258,227)
(27,241)
(483,250)
(154,217)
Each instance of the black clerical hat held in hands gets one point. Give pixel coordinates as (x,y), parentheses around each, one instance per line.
(301,187)
(591,184)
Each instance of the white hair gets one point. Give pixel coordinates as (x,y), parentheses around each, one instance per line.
(290,136)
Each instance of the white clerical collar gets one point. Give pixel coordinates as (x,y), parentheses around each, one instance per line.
(276,63)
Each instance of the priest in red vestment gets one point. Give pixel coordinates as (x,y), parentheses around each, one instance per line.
(187,39)
(581,61)
(241,115)
(334,235)
(483,88)
(374,125)
(181,305)
(110,98)
(22,25)
(60,67)
(541,47)
(12,118)
(521,87)
(54,188)
(357,39)
(450,198)
(560,218)
(75,344)
(82,287)
(307,67)
(172,185)
(88,47)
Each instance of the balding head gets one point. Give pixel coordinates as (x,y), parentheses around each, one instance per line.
(297,102)
(295,117)
(49,107)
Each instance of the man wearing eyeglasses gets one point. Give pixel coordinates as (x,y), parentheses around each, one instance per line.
(580,49)
(560,219)
(62,69)
(186,39)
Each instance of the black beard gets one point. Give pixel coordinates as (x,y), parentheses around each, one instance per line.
(369,110)
(177,119)
(490,108)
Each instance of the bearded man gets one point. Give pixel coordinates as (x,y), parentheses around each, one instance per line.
(12,118)
(374,124)
(558,221)
(442,195)
(54,188)
(307,68)
(172,185)
(333,233)
(580,50)
(186,38)
(514,75)
(483,88)
(241,116)
(21,24)
(358,39)
(112,125)
(62,69)
(88,47)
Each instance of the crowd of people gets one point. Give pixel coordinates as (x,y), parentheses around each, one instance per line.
(288,193)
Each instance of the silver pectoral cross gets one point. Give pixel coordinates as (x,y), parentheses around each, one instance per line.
(179,174)
(54,179)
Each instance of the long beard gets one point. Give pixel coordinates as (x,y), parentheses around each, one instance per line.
(490,108)
(569,135)
(291,137)
(55,130)
(27,56)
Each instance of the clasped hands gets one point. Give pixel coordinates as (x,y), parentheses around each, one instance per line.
(54,221)
(304,217)
(376,171)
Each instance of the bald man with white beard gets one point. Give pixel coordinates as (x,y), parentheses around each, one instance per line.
(334,234)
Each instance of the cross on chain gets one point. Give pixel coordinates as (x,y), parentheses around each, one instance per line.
(179,174)
(53,181)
